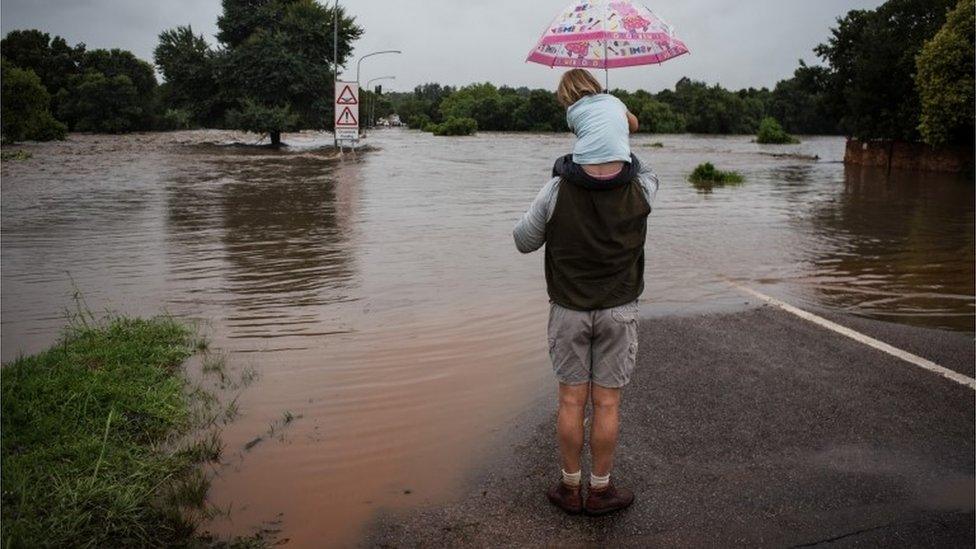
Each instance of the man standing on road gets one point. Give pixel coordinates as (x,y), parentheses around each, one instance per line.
(593,221)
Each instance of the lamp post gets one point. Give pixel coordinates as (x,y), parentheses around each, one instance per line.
(372,101)
(358,63)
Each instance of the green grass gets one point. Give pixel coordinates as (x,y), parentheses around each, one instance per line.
(94,439)
(18,154)
(706,177)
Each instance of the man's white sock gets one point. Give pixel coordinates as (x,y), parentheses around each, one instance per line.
(599,483)
(572,479)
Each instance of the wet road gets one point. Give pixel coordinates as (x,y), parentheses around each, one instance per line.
(751,429)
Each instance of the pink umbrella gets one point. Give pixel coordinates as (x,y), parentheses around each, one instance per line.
(606,34)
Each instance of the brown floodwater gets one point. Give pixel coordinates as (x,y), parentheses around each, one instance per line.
(382,302)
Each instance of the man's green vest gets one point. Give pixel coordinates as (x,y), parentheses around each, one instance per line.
(595,246)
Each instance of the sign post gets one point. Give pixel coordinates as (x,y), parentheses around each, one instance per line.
(347,113)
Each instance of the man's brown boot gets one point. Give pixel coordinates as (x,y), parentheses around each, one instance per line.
(607,500)
(566,497)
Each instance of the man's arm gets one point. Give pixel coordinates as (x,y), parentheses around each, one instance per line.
(530,231)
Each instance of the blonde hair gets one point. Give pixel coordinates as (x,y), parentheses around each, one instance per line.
(576,84)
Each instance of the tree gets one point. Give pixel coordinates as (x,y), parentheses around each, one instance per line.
(540,112)
(872,62)
(189,66)
(278,59)
(258,118)
(658,117)
(945,80)
(138,112)
(800,103)
(51,59)
(104,104)
(26,114)
(483,103)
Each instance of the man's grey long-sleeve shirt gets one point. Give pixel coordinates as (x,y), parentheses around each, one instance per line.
(530,231)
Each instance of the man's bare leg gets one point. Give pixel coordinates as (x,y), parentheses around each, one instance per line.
(606,424)
(569,424)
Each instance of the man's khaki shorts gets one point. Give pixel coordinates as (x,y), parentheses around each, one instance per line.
(593,346)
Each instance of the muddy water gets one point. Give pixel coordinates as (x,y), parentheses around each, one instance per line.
(382,302)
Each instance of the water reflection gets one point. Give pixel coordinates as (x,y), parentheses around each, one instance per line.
(898,247)
(275,229)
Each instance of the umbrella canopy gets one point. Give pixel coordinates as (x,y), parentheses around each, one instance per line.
(606,34)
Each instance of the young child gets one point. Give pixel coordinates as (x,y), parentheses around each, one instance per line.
(602,125)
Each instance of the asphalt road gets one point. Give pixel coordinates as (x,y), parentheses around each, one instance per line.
(748,429)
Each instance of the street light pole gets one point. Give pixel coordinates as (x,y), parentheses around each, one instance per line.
(372,101)
(358,63)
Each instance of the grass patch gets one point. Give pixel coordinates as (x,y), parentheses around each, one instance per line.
(18,154)
(706,177)
(655,145)
(94,449)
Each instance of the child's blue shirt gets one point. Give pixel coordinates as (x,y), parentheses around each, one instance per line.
(600,124)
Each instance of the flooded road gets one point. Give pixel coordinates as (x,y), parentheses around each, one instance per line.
(382,302)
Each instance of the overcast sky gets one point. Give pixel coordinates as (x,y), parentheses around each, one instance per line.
(735,43)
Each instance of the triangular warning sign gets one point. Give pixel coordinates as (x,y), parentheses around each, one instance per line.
(346,118)
(347,97)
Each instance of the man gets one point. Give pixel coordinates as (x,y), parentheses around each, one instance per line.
(593,221)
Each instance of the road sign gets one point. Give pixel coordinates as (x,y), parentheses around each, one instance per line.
(347,112)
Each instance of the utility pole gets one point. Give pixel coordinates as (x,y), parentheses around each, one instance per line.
(335,68)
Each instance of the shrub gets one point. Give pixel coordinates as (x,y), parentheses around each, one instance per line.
(454,126)
(418,122)
(26,113)
(706,176)
(770,132)
(174,119)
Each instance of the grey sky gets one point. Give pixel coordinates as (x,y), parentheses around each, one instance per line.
(735,43)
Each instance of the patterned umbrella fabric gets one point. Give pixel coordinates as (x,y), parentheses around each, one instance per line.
(606,34)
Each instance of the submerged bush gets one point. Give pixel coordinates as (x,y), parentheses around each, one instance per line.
(706,176)
(770,132)
(454,126)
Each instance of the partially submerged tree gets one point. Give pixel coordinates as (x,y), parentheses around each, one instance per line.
(277,62)
(945,80)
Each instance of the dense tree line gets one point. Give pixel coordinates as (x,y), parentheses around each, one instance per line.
(692,106)
(272,72)
(901,71)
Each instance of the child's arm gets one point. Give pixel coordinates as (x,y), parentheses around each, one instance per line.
(632,122)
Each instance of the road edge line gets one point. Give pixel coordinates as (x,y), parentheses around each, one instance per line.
(861,338)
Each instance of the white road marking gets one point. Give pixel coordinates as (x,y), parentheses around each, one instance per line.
(859,337)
